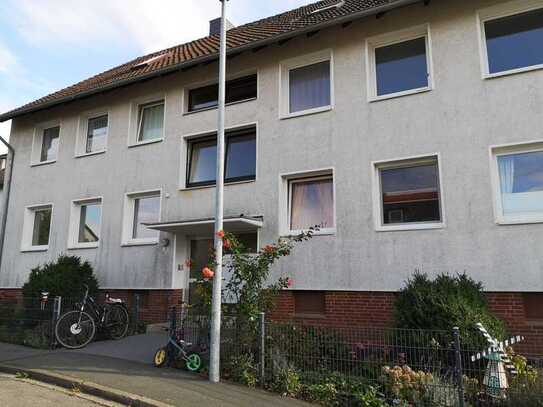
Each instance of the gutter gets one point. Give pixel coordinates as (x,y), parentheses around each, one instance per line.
(212,57)
(7,190)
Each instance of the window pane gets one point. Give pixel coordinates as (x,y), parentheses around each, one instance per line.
(410,194)
(151,122)
(401,67)
(49,147)
(236,90)
(146,210)
(309,87)
(203,162)
(96,134)
(312,203)
(309,302)
(241,157)
(521,183)
(89,223)
(515,42)
(533,306)
(42,225)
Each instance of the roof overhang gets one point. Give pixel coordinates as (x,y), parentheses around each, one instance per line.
(208,58)
(206,226)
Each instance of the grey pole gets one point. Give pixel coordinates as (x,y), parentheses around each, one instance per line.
(7,189)
(215,351)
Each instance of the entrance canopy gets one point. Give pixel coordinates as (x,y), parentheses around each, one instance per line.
(206,226)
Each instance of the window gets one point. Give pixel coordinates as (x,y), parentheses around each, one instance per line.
(85,223)
(409,195)
(141,208)
(533,306)
(237,90)
(37,227)
(49,144)
(519,184)
(240,158)
(307,84)
(512,38)
(399,63)
(309,302)
(97,130)
(151,121)
(311,203)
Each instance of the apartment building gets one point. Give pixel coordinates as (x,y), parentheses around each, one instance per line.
(409,130)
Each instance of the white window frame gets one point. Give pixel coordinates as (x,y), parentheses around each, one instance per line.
(504,150)
(135,122)
(506,9)
(75,215)
(37,141)
(82,130)
(28,228)
(128,217)
(391,38)
(377,166)
(284,82)
(285,187)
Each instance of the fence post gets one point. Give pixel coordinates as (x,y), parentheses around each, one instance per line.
(262,348)
(136,312)
(57,305)
(173,320)
(458,366)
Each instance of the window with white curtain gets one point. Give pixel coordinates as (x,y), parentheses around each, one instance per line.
(307,84)
(311,203)
(520,185)
(151,121)
(49,145)
(97,129)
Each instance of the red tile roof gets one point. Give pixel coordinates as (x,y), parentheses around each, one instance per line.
(272,29)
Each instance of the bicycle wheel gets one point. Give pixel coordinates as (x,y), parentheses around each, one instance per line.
(194,362)
(117,322)
(75,329)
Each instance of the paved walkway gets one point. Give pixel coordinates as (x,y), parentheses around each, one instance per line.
(110,364)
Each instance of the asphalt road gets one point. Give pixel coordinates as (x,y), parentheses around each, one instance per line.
(23,393)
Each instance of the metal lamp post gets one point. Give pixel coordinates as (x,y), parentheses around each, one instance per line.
(215,348)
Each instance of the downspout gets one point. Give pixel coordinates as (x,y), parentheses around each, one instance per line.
(7,189)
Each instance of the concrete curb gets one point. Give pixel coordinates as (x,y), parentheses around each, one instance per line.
(93,389)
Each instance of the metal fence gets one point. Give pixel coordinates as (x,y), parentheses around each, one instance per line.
(350,366)
(31,321)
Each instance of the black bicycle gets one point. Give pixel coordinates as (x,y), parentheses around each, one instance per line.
(76,329)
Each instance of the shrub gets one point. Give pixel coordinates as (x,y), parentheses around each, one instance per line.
(370,398)
(444,303)
(65,277)
(243,369)
(287,382)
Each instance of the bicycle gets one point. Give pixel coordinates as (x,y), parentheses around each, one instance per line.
(76,329)
(177,349)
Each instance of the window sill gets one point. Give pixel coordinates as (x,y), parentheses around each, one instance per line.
(90,154)
(89,246)
(43,163)
(519,221)
(144,143)
(487,75)
(216,107)
(534,322)
(35,249)
(309,316)
(322,232)
(416,226)
(132,243)
(372,99)
(213,185)
(307,112)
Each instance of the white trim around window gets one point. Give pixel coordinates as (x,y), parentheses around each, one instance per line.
(75,217)
(497,11)
(129,217)
(405,162)
(82,132)
(28,228)
(284,82)
(495,152)
(285,187)
(392,38)
(37,142)
(134,119)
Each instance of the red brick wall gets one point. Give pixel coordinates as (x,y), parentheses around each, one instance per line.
(375,309)
(11,294)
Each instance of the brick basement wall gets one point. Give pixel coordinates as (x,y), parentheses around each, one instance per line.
(375,309)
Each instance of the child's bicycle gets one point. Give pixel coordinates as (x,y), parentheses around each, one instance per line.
(177,349)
